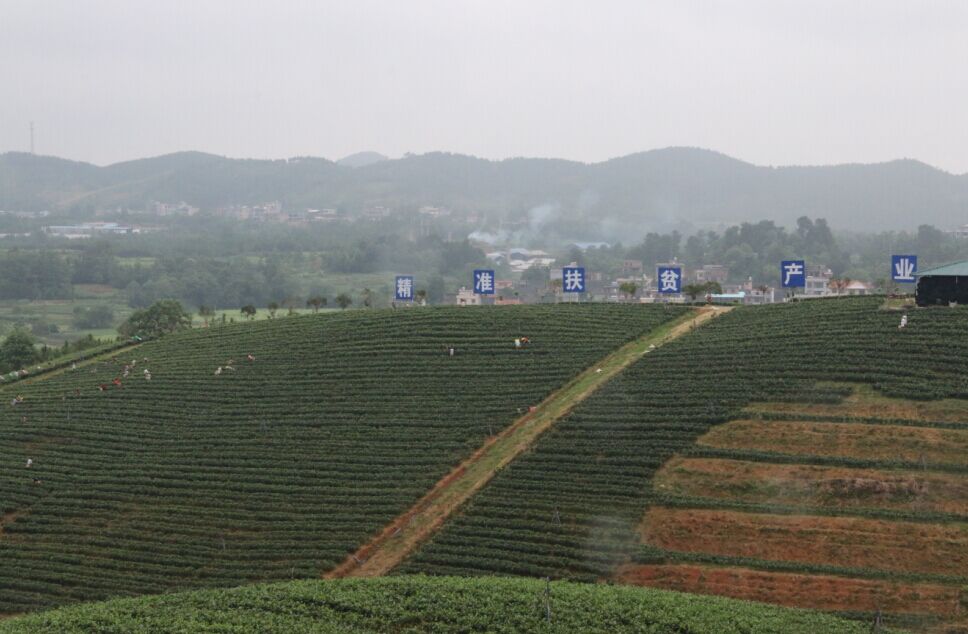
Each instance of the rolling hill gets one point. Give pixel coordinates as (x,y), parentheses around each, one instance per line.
(220,470)
(809,454)
(654,190)
(753,459)
(437,605)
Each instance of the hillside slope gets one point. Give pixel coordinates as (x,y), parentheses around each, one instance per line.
(655,190)
(438,605)
(276,467)
(584,502)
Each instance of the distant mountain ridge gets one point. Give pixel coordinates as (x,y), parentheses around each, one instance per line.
(362,159)
(653,190)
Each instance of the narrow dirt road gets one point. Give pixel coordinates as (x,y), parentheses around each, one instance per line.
(407,531)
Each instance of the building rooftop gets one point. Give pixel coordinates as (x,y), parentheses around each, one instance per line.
(957,268)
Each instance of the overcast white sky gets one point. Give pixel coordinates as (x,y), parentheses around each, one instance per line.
(772,81)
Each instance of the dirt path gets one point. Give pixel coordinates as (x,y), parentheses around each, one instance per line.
(405,533)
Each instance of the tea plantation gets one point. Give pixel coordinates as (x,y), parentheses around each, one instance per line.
(572,507)
(264,451)
(425,604)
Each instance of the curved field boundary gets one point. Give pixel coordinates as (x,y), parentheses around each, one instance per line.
(64,365)
(401,537)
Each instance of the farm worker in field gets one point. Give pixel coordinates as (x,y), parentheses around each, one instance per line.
(903,321)
(451,351)
(517,343)
(30,462)
(525,341)
(228,367)
(73,365)
(218,370)
(250,358)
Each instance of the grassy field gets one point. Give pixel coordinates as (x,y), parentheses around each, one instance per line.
(60,313)
(437,605)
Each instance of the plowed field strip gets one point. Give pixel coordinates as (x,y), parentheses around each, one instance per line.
(399,538)
(865,402)
(825,592)
(814,486)
(848,440)
(841,541)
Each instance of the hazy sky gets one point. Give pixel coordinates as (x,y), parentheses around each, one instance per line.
(771,82)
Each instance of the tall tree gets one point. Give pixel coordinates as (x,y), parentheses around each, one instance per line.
(17,350)
(160,318)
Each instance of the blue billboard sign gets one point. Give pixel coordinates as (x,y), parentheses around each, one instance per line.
(404,288)
(670,279)
(904,267)
(793,274)
(573,279)
(484,281)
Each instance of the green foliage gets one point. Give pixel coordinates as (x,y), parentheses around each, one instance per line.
(17,351)
(248,311)
(316,302)
(279,467)
(433,605)
(343,300)
(91,317)
(34,275)
(160,318)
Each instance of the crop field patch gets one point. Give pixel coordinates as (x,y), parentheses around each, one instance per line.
(854,440)
(814,485)
(572,506)
(269,450)
(822,592)
(865,402)
(842,541)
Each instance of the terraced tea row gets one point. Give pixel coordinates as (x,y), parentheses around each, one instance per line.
(432,605)
(315,432)
(572,507)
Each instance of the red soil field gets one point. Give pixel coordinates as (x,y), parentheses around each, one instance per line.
(824,592)
(814,486)
(838,541)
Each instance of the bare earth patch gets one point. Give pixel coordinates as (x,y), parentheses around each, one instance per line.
(849,440)
(839,541)
(825,592)
(814,486)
